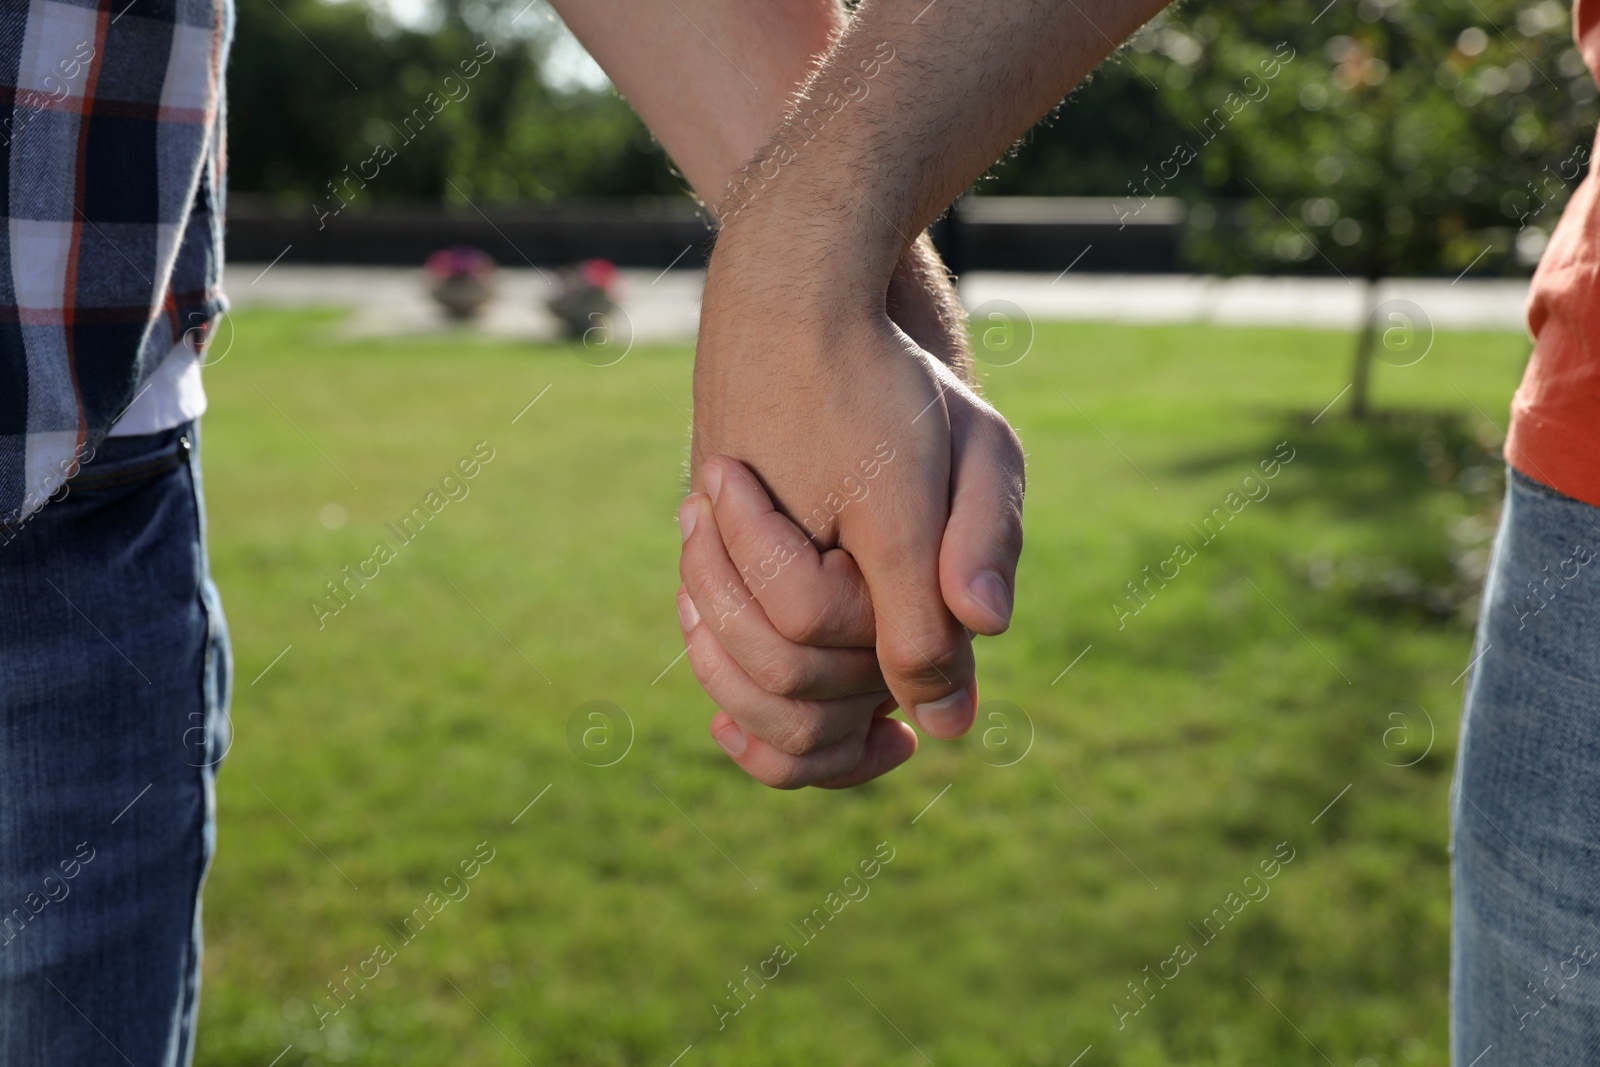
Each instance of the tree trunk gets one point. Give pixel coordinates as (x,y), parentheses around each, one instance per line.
(1361,368)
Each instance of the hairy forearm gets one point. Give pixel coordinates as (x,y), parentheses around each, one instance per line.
(711,78)
(913,104)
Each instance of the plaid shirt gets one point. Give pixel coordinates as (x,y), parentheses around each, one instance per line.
(111,166)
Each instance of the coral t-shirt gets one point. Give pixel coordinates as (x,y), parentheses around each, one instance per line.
(1555,415)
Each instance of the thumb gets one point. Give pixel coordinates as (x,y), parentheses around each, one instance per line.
(983,539)
(923,650)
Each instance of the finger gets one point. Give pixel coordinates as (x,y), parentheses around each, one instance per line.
(983,539)
(890,743)
(810,597)
(879,747)
(895,534)
(739,622)
(794,727)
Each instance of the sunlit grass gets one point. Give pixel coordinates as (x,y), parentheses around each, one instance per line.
(1178,753)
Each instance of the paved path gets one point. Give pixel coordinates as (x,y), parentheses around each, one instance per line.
(1319,303)
(665,306)
(392,302)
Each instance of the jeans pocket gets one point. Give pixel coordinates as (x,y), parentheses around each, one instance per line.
(127,461)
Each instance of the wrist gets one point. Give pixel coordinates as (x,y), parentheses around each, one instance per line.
(802,261)
(797,275)
(923,302)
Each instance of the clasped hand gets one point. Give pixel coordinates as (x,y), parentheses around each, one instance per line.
(856,518)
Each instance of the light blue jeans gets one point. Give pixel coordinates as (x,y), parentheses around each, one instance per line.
(114,677)
(1525,943)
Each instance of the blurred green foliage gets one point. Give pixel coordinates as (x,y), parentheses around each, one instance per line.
(315,87)
(1390,136)
(1401,137)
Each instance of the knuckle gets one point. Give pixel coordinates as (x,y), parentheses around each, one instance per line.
(795,773)
(780,675)
(1009,446)
(786,774)
(823,616)
(992,430)
(801,735)
(936,659)
(1010,440)
(721,606)
(1010,536)
(707,671)
(702,588)
(802,618)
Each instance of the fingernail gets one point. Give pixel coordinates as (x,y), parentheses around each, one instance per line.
(688,614)
(714,481)
(948,718)
(688,512)
(992,593)
(732,739)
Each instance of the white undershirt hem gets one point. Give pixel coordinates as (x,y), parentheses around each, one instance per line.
(172,396)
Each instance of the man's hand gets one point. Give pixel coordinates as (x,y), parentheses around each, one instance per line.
(780,635)
(873,445)
(818,601)
(781,614)
(802,368)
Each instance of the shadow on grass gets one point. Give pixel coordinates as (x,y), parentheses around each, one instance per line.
(1392,478)
(1414,497)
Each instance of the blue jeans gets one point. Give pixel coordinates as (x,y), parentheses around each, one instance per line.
(114,680)
(1525,810)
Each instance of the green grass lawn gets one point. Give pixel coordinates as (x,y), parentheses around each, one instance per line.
(1297,658)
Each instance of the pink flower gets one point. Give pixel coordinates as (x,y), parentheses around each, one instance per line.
(462,259)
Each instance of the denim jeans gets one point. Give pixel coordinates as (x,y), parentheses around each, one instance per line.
(1525,810)
(114,680)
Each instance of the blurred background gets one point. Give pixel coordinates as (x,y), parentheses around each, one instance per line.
(1272,319)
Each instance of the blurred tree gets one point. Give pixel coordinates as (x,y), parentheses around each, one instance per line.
(315,87)
(1088,146)
(1367,137)
(1397,136)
